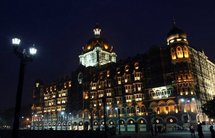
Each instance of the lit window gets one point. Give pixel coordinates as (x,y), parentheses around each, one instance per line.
(106,46)
(119,80)
(137,76)
(109,94)
(37,85)
(139,87)
(138,97)
(85,95)
(129,99)
(171,41)
(186,54)
(179,52)
(173,54)
(101,95)
(65,86)
(70,83)
(108,73)
(88,47)
(136,65)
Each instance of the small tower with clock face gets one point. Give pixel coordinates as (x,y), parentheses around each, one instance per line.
(97,51)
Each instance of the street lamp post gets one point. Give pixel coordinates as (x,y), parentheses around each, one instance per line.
(62,119)
(105,115)
(24,58)
(118,114)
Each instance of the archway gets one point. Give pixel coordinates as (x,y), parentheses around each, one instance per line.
(131,125)
(141,122)
(171,123)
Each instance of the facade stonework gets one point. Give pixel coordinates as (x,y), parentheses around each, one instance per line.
(165,86)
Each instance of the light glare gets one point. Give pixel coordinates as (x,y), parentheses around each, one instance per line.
(32,50)
(16,41)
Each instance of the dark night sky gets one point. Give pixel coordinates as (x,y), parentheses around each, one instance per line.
(60,29)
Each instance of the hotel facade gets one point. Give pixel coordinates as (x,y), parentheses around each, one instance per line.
(165,86)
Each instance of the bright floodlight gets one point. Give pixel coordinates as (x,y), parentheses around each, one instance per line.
(62,113)
(182,100)
(32,50)
(16,41)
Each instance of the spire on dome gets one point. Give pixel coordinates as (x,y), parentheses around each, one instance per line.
(173,20)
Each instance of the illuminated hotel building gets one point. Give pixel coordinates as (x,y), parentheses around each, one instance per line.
(165,86)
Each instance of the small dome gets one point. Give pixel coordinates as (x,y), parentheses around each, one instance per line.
(176,31)
(176,36)
(97,41)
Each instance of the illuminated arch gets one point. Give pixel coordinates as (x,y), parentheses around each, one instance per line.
(141,120)
(170,102)
(171,119)
(136,65)
(171,106)
(130,121)
(179,52)
(173,55)
(186,52)
(126,68)
(162,108)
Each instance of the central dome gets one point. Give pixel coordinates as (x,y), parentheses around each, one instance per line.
(97,41)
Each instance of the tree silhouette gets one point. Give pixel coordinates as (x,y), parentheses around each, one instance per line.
(209,108)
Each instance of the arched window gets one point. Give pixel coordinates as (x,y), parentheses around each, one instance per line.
(171,105)
(162,107)
(128,110)
(173,54)
(179,52)
(186,53)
